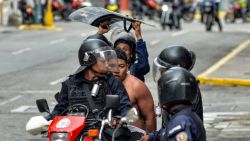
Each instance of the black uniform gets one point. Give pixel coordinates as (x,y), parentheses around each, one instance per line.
(73,92)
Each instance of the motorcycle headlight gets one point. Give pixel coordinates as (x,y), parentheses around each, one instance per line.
(164,8)
(86,4)
(59,137)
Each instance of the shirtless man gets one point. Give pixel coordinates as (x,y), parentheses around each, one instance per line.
(138,93)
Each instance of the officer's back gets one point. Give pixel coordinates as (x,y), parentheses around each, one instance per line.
(177,90)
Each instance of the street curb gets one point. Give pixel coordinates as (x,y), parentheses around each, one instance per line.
(224,81)
(39,27)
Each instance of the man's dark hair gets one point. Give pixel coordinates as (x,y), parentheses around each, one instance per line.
(121,55)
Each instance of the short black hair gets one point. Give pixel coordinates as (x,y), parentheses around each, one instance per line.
(132,47)
(121,55)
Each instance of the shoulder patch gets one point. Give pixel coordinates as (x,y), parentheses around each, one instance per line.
(182,136)
(175,130)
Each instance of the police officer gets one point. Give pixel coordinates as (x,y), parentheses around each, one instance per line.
(176,55)
(135,48)
(96,60)
(177,90)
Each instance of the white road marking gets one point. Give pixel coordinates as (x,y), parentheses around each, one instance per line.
(10,100)
(20,109)
(30,91)
(225,59)
(56,41)
(58,81)
(154,42)
(245,30)
(29,109)
(39,92)
(214,114)
(180,33)
(21,51)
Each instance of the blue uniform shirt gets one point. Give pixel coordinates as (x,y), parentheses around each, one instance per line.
(141,67)
(183,124)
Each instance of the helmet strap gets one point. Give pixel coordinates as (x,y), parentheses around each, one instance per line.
(125,25)
(97,73)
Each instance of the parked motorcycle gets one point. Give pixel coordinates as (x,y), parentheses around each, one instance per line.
(188,11)
(59,8)
(235,12)
(78,126)
(170,16)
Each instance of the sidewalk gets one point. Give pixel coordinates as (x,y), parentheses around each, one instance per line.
(4,29)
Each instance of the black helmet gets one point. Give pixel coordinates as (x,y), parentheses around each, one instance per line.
(177,85)
(101,37)
(177,56)
(93,49)
(121,36)
(173,56)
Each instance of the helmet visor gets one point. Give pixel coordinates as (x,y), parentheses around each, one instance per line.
(158,69)
(106,59)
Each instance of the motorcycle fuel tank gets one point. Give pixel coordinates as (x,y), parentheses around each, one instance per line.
(70,126)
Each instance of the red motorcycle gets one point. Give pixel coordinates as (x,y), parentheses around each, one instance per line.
(77,126)
(233,12)
(63,10)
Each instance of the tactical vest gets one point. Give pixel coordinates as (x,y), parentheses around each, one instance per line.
(79,95)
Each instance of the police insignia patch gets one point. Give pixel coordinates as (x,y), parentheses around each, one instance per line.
(182,136)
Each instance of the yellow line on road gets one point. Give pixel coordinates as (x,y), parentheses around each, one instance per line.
(225,59)
(39,27)
(224,81)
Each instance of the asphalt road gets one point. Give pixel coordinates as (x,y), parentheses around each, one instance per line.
(34,63)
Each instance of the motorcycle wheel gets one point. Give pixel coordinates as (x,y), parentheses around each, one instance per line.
(247,17)
(209,22)
(163,26)
(188,17)
(176,21)
(170,27)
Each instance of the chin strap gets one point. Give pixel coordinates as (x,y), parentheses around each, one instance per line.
(97,73)
(125,25)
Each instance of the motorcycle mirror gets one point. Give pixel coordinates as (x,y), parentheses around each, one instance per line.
(42,105)
(132,115)
(112,102)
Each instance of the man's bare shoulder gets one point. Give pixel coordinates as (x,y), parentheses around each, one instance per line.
(137,85)
(134,81)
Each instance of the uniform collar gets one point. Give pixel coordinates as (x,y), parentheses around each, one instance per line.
(179,108)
